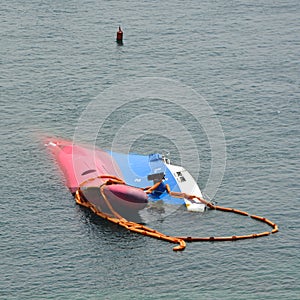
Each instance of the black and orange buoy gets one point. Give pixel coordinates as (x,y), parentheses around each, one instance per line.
(119,39)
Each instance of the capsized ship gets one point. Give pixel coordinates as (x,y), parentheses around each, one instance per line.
(90,168)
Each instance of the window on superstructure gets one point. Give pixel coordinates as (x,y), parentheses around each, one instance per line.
(180,177)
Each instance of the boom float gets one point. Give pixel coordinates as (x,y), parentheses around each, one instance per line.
(148,179)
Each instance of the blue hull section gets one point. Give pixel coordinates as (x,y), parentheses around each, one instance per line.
(144,171)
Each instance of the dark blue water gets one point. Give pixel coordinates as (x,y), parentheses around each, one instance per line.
(58,56)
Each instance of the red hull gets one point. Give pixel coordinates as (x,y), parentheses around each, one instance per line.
(80,163)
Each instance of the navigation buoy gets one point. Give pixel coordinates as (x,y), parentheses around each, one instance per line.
(120,36)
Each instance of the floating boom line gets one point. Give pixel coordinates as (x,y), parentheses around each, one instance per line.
(116,218)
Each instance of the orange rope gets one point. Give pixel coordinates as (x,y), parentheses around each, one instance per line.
(132,226)
(141,229)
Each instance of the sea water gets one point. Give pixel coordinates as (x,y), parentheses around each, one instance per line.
(241,57)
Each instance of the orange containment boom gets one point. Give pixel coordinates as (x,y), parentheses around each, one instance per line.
(116,218)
